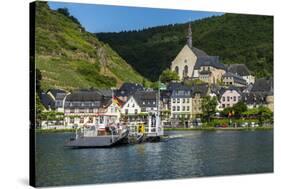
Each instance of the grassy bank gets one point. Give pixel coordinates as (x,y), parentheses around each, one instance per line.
(54,130)
(220,129)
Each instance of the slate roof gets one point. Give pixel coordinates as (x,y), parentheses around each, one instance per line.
(177,86)
(86,99)
(198,52)
(179,90)
(263,85)
(209,61)
(202,89)
(236,78)
(240,69)
(128,89)
(59,94)
(47,101)
(146,98)
(165,94)
(231,87)
(254,98)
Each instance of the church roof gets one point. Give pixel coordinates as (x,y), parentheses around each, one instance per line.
(199,52)
(209,61)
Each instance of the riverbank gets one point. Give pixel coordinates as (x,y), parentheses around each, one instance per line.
(220,129)
(54,130)
(175,129)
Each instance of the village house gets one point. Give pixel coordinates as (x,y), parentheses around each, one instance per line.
(229,97)
(141,102)
(233,79)
(90,107)
(47,101)
(198,92)
(261,94)
(127,90)
(57,96)
(242,71)
(193,63)
(165,106)
(181,103)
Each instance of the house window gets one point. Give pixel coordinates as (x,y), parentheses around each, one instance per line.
(71,110)
(72,120)
(234,98)
(183,108)
(178,100)
(136,111)
(101,119)
(223,99)
(174,108)
(187,100)
(81,110)
(126,111)
(174,100)
(223,105)
(128,105)
(133,105)
(187,108)
(178,108)
(81,119)
(228,99)
(90,110)
(91,119)
(183,100)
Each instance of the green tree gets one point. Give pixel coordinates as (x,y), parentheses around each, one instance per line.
(168,75)
(239,108)
(264,114)
(209,105)
(39,108)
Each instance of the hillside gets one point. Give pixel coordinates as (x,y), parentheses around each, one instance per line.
(68,57)
(235,38)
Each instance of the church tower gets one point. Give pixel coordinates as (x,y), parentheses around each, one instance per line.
(189,36)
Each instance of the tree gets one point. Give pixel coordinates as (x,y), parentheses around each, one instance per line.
(38,110)
(264,114)
(38,78)
(239,108)
(168,75)
(209,105)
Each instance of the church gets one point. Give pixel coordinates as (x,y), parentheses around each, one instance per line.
(192,63)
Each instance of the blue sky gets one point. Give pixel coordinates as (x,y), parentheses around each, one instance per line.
(105,18)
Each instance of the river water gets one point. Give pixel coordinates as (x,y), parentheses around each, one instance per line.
(195,154)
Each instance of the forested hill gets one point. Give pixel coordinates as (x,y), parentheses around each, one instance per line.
(68,57)
(235,38)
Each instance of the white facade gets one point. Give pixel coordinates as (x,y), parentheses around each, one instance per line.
(181,106)
(131,107)
(184,63)
(250,79)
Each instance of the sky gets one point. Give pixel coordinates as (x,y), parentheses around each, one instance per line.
(105,18)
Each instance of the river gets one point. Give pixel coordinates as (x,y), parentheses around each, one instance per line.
(196,154)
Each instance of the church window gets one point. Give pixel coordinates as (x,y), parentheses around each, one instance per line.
(185,70)
(177,69)
(185,61)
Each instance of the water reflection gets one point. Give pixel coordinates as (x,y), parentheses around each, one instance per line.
(186,154)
